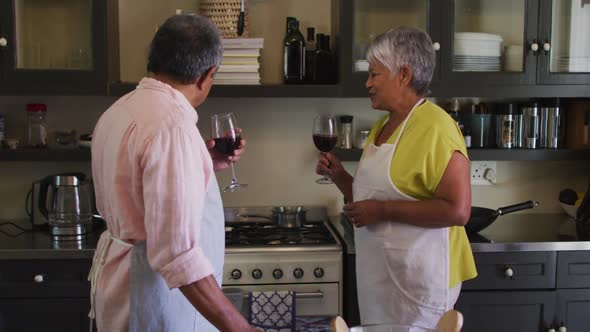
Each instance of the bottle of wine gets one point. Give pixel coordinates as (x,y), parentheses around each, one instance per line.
(294,55)
(309,52)
(322,61)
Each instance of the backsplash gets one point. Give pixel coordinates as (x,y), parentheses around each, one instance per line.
(279,164)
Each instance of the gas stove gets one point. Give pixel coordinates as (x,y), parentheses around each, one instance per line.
(261,256)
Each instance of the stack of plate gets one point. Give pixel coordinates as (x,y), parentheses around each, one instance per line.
(475,51)
(570,64)
(513,58)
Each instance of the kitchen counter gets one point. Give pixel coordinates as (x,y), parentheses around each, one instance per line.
(39,245)
(513,232)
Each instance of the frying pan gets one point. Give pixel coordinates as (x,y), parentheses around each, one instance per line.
(482,217)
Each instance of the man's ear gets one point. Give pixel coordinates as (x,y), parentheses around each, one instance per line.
(207,77)
(406,74)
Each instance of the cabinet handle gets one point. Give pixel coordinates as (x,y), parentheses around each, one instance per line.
(546,47)
(508,273)
(551,330)
(3,42)
(38,278)
(562,329)
(534,47)
(436,46)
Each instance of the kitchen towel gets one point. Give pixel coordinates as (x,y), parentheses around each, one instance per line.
(272,311)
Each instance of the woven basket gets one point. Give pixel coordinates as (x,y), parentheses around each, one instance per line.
(224,13)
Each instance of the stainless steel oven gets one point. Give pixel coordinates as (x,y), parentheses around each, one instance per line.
(261,256)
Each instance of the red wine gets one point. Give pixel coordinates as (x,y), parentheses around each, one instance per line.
(324,142)
(227,145)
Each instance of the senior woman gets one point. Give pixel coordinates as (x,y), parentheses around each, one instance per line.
(410,196)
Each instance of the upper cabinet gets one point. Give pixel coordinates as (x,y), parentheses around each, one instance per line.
(53,46)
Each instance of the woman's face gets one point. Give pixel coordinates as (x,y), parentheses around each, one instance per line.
(381,86)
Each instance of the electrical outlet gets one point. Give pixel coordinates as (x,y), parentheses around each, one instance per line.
(483,173)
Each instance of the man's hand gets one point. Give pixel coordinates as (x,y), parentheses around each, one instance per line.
(222,161)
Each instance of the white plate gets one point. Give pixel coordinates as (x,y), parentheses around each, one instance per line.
(478,36)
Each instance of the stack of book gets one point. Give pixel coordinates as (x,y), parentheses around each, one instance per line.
(240,63)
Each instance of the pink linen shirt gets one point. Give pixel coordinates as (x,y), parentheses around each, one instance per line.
(151,171)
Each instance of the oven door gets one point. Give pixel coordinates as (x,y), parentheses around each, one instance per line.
(311,299)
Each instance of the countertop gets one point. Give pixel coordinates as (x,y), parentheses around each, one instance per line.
(513,232)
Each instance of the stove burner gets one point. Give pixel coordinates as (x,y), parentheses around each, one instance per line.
(241,234)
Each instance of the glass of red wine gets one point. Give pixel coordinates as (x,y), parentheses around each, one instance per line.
(325,135)
(225,132)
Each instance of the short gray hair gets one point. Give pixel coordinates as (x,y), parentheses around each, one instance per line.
(406,46)
(185,47)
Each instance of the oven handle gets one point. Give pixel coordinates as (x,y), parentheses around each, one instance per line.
(304,295)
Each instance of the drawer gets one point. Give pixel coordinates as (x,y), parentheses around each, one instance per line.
(514,270)
(44,278)
(573,269)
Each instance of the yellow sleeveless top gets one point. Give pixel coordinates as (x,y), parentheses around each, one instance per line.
(420,160)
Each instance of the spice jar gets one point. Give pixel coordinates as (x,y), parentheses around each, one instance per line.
(346,132)
(37,125)
(362,138)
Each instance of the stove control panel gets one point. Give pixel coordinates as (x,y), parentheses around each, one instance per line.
(281,268)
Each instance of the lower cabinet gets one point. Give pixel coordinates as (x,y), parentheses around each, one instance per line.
(506,311)
(64,315)
(527,291)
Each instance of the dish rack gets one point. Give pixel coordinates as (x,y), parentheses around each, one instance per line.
(224,13)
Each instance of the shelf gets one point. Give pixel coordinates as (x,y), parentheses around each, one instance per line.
(496,154)
(252,91)
(24,154)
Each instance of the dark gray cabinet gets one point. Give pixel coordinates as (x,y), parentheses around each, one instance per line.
(53,47)
(44,295)
(528,291)
(506,311)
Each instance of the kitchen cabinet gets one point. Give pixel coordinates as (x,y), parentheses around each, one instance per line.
(543,290)
(53,47)
(42,294)
(532,48)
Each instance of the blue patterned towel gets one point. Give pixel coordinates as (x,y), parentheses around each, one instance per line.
(273,311)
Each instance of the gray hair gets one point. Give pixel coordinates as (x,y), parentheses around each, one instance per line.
(406,46)
(185,47)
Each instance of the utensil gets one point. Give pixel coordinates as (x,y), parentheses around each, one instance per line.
(241,19)
(483,217)
(283,216)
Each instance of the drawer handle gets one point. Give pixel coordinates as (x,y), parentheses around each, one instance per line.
(509,273)
(303,295)
(38,278)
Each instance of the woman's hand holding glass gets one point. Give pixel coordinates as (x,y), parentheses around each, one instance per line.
(325,136)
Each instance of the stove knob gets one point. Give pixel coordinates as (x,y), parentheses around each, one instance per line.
(277,273)
(298,273)
(318,272)
(256,274)
(236,274)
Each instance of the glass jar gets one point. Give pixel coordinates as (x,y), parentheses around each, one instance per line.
(362,139)
(37,125)
(346,132)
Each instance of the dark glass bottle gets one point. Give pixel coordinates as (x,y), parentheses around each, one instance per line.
(294,55)
(322,61)
(310,48)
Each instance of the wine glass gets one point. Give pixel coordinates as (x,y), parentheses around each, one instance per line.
(324,137)
(225,132)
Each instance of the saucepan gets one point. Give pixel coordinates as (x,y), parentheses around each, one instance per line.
(283,216)
(482,217)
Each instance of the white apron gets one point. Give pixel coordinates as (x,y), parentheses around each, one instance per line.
(153,306)
(402,270)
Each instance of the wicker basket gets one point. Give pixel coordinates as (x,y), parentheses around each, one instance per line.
(224,13)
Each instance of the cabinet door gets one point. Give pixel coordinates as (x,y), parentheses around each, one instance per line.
(489,42)
(564,26)
(573,306)
(506,311)
(64,315)
(372,17)
(55,46)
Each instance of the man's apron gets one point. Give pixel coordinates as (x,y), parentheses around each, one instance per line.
(402,270)
(153,306)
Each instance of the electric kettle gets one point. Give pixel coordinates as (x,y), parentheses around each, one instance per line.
(66,202)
